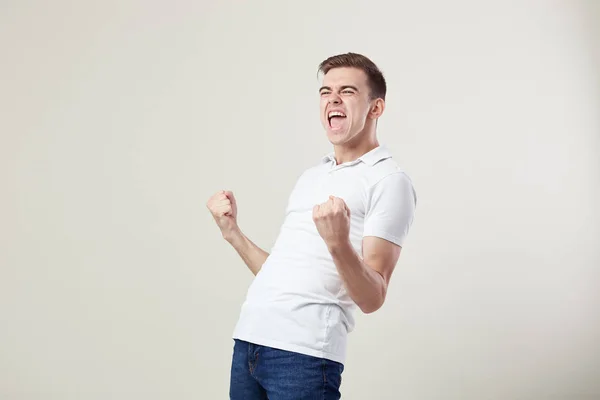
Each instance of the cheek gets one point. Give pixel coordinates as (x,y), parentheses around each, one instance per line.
(323,105)
(359,116)
(357,120)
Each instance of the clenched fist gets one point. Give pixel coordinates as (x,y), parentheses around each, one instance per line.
(223,208)
(332,219)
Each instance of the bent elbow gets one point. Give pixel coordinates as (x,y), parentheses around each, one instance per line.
(369,308)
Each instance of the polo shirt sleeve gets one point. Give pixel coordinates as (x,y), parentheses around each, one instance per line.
(391,209)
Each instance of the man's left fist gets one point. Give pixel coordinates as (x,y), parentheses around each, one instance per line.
(332,219)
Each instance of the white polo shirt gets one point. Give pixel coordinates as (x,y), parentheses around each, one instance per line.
(297,301)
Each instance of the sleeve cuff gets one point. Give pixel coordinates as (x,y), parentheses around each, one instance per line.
(399,240)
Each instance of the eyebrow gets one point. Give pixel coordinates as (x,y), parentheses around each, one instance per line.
(341,88)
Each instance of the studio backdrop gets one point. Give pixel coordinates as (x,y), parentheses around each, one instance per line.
(119,119)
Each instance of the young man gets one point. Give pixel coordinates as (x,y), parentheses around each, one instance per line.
(346,220)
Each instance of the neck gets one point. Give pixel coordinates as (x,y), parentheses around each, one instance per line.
(351,151)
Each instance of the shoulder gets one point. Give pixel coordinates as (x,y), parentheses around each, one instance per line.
(391,205)
(388,174)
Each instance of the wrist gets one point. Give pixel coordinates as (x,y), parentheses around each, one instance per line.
(233,235)
(339,246)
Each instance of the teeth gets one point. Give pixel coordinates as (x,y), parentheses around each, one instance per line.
(336,114)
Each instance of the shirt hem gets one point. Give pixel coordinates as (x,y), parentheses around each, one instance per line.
(291,347)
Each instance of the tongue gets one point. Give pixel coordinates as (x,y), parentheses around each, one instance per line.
(336,122)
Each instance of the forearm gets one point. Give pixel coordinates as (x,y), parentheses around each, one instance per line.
(253,256)
(364,285)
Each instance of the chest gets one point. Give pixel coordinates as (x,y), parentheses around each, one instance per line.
(315,188)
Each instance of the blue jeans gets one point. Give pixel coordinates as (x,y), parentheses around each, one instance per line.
(261,373)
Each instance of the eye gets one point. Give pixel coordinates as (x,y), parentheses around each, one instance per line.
(347,91)
(325,92)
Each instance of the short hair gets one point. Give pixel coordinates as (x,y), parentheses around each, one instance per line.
(375,77)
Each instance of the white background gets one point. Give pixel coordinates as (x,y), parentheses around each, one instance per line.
(119,119)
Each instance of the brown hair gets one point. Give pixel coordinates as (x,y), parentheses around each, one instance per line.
(375,77)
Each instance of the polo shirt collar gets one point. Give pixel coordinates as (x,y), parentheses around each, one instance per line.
(370,158)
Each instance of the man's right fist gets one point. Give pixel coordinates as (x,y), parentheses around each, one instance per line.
(223,208)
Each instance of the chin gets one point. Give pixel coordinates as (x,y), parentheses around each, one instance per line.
(337,138)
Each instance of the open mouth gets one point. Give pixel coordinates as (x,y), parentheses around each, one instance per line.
(336,119)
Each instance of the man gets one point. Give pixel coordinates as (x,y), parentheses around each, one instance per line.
(346,220)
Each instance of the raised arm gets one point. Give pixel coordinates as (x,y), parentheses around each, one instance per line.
(223,208)
(387,222)
(366,278)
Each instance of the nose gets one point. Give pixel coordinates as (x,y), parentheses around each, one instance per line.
(334,98)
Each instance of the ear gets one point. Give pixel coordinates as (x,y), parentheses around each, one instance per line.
(377,108)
